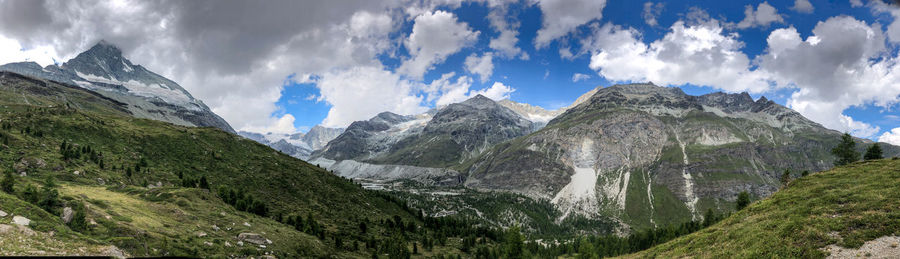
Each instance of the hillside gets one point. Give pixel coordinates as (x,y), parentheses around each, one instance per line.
(842,209)
(143,185)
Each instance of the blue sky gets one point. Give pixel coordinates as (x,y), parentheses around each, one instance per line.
(546,79)
(285,66)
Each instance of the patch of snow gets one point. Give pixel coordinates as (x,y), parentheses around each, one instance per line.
(145,90)
(126,67)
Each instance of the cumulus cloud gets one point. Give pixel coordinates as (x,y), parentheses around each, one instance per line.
(223,52)
(802,6)
(651,11)
(764,15)
(445,90)
(283,125)
(12,51)
(505,44)
(435,35)
(482,66)
(891,137)
(702,54)
(842,64)
(561,17)
(364,91)
(580,77)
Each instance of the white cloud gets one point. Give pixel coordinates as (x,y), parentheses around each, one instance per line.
(856,3)
(701,54)
(435,35)
(802,6)
(445,91)
(763,16)
(842,64)
(561,17)
(651,11)
(361,92)
(508,28)
(579,77)
(233,55)
(12,51)
(283,125)
(891,137)
(893,29)
(482,66)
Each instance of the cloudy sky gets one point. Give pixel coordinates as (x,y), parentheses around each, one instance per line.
(284,66)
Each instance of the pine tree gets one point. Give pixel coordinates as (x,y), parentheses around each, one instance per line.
(743,200)
(786,178)
(78,222)
(8,181)
(873,152)
(845,152)
(204,184)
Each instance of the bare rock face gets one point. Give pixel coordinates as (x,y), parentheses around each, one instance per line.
(21,221)
(252,238)
(67,215)
(646,155)
(430,143)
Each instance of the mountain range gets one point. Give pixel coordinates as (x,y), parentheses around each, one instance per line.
(639,155)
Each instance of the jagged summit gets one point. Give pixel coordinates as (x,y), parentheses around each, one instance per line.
(104,70)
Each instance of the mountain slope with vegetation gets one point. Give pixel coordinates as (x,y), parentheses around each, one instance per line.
(150,188)
(811,217)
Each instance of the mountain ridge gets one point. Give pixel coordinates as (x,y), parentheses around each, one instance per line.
(103,69)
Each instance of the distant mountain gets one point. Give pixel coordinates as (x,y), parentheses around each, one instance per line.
(104,70)
(298,145)
(647,155)
(427,147)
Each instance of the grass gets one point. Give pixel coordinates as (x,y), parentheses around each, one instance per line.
(166,220)
(846,206)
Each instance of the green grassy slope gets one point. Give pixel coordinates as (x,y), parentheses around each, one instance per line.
(845,206)
(168,219)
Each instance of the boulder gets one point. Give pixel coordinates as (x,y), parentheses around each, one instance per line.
(21,221)
(252,238)
(67,215)
(3,213)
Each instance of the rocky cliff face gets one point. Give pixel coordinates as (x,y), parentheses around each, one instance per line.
(437,141)
(104,70)
(298,145)
(648,155)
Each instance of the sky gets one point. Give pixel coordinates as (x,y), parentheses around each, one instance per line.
(285,66)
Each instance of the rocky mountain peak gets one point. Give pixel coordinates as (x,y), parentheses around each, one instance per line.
(480,101)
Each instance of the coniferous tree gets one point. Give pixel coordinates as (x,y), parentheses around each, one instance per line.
(204,184)
(8,182)
(49,196)
(78,222)
(743,200)
(786,177)
(845,152)
(873,152)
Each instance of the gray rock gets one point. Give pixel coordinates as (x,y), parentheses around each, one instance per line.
(67,215)
(3,213)
(252,238)
(21,221)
